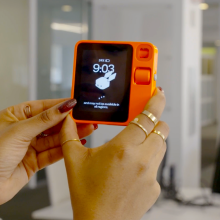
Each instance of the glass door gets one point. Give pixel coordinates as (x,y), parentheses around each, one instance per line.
(61,23)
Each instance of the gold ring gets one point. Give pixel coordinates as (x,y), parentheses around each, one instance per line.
(160,134)
(150,116)
(70,140)
(27,111)
(135,122)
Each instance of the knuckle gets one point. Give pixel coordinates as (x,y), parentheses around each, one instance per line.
(10,109)
(122,154)
(46,116)
(142,168)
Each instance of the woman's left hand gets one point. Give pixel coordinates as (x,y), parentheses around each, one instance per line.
(22,150)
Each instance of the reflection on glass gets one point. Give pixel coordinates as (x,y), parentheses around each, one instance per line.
(73,28)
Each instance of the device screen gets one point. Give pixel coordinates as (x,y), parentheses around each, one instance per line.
(102,82)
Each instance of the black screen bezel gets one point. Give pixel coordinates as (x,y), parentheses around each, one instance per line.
(119,116)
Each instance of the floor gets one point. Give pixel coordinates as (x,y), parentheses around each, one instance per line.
(24,203)
(27,201)
(209,152)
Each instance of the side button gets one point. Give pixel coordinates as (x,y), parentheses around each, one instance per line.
(142,76)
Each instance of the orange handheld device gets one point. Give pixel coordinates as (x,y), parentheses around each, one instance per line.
(112,81)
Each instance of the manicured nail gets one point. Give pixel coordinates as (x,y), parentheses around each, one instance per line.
(68,105)
(95,126)
(160,88)
(83,141)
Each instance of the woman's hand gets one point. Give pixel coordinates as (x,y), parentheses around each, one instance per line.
(118,179)
(22,152)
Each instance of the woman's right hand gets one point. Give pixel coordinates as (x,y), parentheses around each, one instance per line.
(118,179)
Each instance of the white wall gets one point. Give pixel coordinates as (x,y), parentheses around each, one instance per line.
(13,52)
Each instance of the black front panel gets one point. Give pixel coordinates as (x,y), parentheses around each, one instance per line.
(102,82)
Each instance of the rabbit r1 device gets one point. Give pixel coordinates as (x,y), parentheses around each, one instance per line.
(112,81)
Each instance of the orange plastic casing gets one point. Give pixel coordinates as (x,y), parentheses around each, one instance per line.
(140,93)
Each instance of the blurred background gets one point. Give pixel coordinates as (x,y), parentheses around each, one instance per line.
(37,39)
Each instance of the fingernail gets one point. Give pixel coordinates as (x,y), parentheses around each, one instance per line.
(95,126)
(68,105)
(83,141)
(160,88)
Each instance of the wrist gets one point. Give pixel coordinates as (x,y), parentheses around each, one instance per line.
(94,214)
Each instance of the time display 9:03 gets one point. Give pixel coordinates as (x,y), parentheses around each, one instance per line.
(104,68)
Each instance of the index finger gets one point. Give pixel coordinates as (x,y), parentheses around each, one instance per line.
(36,107)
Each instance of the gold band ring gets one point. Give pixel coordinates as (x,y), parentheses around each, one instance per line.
(150,116)
(160,134)
(135,122)
(70,140)
(27,111)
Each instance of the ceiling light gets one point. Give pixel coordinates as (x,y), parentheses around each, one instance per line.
(217,43)
(203,6)
(74,28)
(67,8)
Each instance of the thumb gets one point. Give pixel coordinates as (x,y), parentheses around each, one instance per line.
(46,119)
(72,149)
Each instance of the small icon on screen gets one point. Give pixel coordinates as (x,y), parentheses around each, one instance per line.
(102,97)
(104,82)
